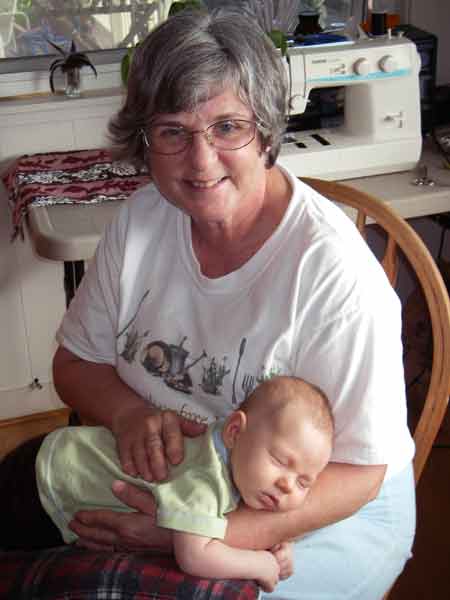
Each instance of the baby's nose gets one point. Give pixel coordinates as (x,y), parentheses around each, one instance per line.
(285,484)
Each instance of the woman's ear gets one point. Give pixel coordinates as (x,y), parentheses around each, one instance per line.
(234,426)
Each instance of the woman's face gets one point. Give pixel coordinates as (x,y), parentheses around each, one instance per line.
(208,184)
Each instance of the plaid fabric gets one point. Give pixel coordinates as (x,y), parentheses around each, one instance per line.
(69,573)
(77,176)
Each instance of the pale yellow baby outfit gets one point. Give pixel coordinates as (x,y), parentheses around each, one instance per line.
(76,467)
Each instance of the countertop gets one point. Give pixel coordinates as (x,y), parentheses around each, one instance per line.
(71,232)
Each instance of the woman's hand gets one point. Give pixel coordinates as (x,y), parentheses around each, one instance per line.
(284,553)
(148,439)
(109,530)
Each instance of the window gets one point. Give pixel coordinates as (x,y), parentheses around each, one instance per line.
(26,26)
(104,27)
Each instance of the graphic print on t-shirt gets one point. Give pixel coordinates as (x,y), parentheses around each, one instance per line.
(172,361)
(132,343)
(213,376)
(133,339)
(169,361)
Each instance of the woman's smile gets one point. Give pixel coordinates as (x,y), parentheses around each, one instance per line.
(206,183)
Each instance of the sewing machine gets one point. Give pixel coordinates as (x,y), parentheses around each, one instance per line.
(379,131)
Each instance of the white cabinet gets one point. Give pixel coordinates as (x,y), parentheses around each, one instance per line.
(32,297)
(49,123)
(32,303)
(14,364)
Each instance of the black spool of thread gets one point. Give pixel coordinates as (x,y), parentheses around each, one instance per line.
(308,23)
(378,23)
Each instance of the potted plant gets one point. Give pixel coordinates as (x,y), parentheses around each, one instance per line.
(70,64)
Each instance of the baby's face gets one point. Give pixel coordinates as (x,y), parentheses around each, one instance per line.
(275,466)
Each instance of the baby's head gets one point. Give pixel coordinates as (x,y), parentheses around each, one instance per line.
(280,440)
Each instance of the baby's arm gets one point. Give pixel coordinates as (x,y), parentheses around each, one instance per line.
(207,557)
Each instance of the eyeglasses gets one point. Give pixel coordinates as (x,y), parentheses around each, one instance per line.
(231,134)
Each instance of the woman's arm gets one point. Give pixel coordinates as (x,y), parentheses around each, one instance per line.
(206,557)
(93,390)
(340,491)
(146,438)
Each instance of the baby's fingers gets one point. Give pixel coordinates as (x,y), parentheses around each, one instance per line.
(284,553)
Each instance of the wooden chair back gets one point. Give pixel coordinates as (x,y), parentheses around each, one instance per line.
(402,239)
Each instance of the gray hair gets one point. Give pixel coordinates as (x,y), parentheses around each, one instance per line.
(193,56)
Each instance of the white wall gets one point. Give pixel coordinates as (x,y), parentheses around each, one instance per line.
(434,16)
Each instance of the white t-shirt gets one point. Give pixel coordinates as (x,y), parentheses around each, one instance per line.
(312,302)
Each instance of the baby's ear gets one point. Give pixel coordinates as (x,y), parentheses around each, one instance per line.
(234,425)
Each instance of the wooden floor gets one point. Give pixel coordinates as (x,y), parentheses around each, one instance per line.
(427,574)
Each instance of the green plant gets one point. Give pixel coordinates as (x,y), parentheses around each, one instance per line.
(279,39)
(70,60)
(126,63)
(180,5)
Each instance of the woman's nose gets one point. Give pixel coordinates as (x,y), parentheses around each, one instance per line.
(201,152)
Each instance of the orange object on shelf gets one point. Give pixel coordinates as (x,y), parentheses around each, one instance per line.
(392,20)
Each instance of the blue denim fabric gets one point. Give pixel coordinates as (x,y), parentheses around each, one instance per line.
(360,557)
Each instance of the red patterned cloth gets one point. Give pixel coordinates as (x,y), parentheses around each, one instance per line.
(77,176)
(69,573)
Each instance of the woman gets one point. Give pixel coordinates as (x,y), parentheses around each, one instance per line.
(225,271)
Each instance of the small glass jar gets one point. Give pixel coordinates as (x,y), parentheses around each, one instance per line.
(73,82)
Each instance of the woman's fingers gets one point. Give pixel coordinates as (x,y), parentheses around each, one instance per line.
(140,446)
(172,437)
(141,456)
(126,460)
(110,530)
(147,444)
(94,530)
(134,497)
(155,447)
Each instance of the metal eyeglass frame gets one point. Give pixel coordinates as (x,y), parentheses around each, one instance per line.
(207,135)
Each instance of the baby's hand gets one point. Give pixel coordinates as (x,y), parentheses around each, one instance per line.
(270,574)
(284,553)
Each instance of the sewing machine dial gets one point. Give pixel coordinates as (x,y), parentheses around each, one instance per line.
(388,64)
(362,66)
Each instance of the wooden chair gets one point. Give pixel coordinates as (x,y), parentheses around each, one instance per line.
(401,239)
